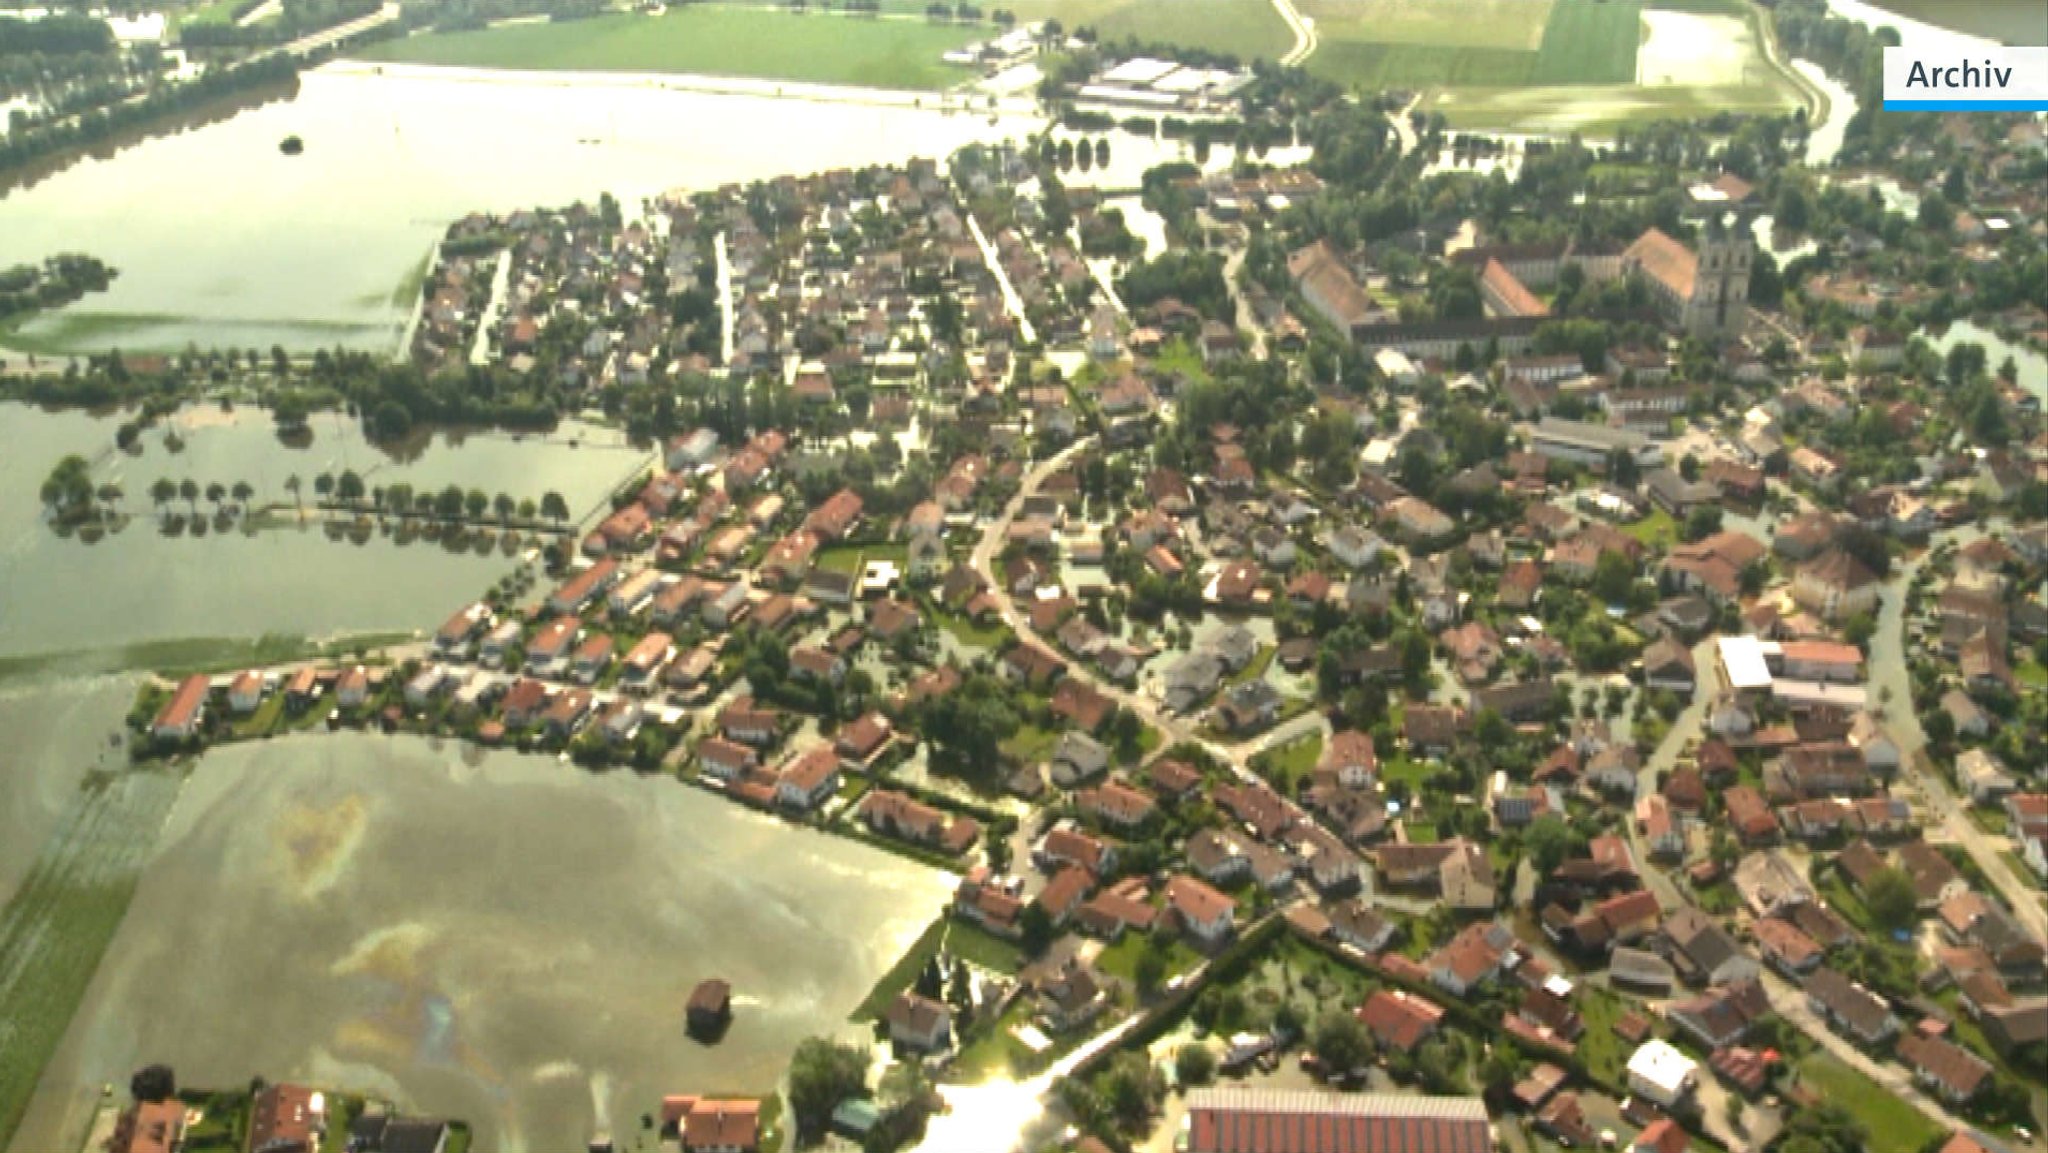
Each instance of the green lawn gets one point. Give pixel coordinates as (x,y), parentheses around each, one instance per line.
(1030,744)
(815,47)
(1601,1048)
(851,558)
(982,949)
(1243,28)
(2031,673)
(1891,1125)
(990,636)
(1121,959)
(1291,762)
(1657,530)
(1409,771)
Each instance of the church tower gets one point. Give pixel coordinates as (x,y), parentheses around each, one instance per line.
(1720,304)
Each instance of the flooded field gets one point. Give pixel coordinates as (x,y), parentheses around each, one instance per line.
(1691,48)
(491,936)
(226,241)
(144,586)
(54,734)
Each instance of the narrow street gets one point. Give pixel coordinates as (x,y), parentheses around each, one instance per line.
(1011,300)
(1890,688)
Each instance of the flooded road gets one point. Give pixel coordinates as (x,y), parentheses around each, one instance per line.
(497,937)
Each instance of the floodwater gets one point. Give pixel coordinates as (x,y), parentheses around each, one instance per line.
(1953,23)
(491,936)
(2031,363)
(1693,49)
(226,241)
(53,734)
(65,595)
(1824,141)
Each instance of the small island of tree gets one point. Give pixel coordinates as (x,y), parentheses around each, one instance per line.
(291,146)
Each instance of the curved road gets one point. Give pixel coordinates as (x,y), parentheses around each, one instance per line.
(1304,31)
(1173,729)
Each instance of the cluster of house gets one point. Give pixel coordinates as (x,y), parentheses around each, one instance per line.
(282,1118)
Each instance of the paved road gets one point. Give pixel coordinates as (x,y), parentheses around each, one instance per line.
(1888,671)
(1011,300)
(1304,31)
(306,45)
(1174,729)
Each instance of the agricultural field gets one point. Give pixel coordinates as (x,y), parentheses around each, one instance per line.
(54,930)
(1428,43)
(1552,65)
(816,47)
(1513,25)
(1243,28)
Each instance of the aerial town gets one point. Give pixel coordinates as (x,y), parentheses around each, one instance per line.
(1591,735)
(1448,662)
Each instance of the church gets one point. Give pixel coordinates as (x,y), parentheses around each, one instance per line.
(1704,295)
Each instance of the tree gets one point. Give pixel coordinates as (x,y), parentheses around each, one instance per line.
(1613,576)
(448,504)
(163,491)
(1622,468)
(504,506)
(153,1083)
(931,980)
(292,485)
(188,489)
(1131,1089)
(242,491)
(1890,898)
(1194,1064)
(821,1074)
(1035,926)
(1549,842)
(553,507)
(1340,1042)
(216,492)
(1149,970)
(349,487)
(476,502)
(323,485)
(68,488)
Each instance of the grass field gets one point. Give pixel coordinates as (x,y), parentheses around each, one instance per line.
(1516,25)
(1891,1125)
(1288,764)
(1459,43)
(816,47)
(1243,28)
(54,930)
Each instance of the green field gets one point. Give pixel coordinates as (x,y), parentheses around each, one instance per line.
(54,929)
(1891,1125)
(1243,28)
(815,47)
(1374,44)
(1516,25)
